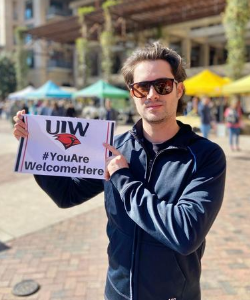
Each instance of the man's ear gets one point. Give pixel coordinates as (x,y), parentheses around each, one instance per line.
(180,89)
(131,94)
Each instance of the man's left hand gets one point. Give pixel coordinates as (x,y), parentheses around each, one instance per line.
(115,162)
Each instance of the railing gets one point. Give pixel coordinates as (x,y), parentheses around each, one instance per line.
(53,63)
(54,11)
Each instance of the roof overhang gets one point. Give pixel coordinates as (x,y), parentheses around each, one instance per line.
(131,16)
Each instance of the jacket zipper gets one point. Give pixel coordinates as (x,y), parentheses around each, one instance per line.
(137,235)
(152,162)
(136,243)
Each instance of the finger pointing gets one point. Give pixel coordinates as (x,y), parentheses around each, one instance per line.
(112,149)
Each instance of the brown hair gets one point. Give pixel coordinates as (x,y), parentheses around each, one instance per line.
(155,51)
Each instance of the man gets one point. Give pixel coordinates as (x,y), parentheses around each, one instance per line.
(204,111)
(111,113)
(164,187)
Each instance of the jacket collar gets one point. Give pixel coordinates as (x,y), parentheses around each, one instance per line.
(182,139)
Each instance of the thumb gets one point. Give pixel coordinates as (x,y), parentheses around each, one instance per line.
(20,114)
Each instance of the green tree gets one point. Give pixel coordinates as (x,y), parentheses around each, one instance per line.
(235,21)
(82,46)
(107,39)
(21,54)
(7,75)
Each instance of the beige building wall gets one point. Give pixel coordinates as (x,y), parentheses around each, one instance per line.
(12,14)
(6,32)
(2,23)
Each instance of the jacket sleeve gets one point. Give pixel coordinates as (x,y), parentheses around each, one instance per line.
(181,226)
(66,191)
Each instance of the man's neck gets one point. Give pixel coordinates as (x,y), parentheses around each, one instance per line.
(161,132)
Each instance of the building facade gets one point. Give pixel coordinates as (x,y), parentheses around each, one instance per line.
(194,29)
(45,61)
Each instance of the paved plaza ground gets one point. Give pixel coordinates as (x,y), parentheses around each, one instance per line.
(65,250)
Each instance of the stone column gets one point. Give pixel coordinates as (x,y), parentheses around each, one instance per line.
(40,46)
(204,57)
(186,48)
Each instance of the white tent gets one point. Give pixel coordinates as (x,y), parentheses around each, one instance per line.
(20,95)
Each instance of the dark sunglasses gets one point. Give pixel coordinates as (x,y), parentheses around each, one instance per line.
(162,86)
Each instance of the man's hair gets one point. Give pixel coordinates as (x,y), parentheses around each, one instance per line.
(155,51)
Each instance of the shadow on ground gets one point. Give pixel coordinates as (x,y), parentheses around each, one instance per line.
(3,247)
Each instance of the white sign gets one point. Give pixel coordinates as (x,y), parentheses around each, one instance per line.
(62,146)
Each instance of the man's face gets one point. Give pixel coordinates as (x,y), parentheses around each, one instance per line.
(155,108)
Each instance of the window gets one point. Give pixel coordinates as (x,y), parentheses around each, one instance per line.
(117,64)
(247,53)
(28,37)
(195,56)
(14,35)
(56,4)
(211,56)
(58,59)
(28,9)
(30,59)
(93,61)
(58,8)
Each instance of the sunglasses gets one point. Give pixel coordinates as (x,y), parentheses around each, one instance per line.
(162,86)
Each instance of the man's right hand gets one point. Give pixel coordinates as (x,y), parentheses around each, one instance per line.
(20,128)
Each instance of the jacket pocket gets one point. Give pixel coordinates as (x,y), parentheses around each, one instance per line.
(159,276)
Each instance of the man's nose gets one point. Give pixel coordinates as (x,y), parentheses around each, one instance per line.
(152,94)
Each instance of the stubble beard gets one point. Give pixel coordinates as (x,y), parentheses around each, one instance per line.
(163,117)
(156,121)
(153,120)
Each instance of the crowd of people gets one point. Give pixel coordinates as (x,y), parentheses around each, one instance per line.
(211,113)
(63,108)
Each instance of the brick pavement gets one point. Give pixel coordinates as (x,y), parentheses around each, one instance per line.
(226,263)
(68,259)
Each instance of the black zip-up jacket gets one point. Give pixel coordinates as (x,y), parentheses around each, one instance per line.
(158,217)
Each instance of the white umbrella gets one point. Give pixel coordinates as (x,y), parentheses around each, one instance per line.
(21,95)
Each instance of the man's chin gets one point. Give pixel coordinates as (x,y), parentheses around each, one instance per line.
(155,120)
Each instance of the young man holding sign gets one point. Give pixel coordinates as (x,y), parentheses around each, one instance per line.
(163,190)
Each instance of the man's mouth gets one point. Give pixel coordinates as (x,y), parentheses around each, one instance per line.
(154,106)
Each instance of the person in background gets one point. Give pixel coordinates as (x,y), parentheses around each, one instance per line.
(32,107)
(189,106)
(1,108)
(14,108)
(195,104)
(204,111)
(90,111)
(25,107)
(56,110)
(233,116)
(163,186)
(111,113)
(61,108)
(45,108)
(70,111)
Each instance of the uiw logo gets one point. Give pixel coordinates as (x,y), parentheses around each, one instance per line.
(64,132)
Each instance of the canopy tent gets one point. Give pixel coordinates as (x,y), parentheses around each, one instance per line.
(21,95)
(49,90)
(102,89)
(240,86)
(205,83)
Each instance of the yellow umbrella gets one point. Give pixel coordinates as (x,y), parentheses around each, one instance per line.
(240,86)
(205,83)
